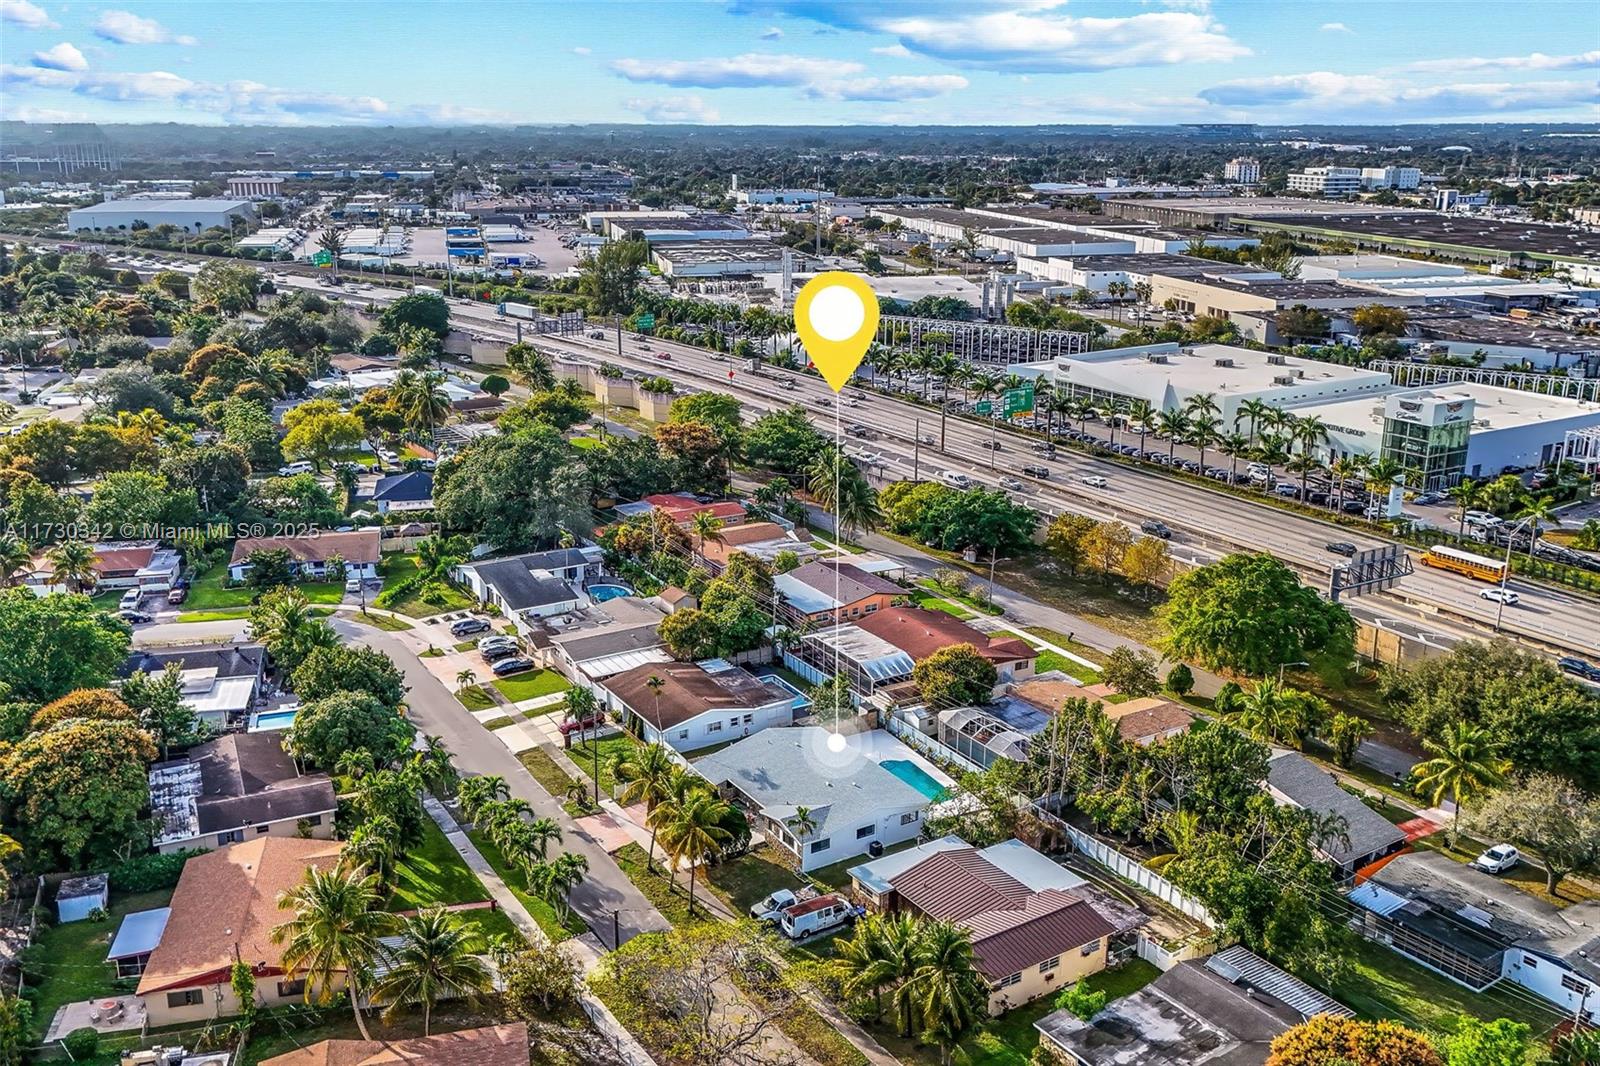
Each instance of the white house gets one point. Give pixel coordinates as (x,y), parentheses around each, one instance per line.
(688,706)
(535,585)
(309,556)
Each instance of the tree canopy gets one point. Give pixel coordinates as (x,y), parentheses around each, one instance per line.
(349,721)
(86,645)
(518,491)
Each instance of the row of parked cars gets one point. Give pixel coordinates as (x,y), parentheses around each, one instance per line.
(501,650)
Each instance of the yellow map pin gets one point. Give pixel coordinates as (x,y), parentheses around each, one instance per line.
(836,314)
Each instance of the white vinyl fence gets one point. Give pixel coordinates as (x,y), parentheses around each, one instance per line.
(1130,869)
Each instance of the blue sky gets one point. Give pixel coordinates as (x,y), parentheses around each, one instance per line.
(315,62)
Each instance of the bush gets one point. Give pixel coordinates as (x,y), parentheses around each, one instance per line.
(98,914)
(1180,680)
(1082,1002)
(149,873)
(82,1043)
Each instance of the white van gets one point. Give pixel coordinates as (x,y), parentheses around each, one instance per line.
(130,600)
(955,479)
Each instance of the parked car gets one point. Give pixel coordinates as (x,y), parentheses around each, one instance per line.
(352,584)
(497,640)
(574,725)
(1342,547)
(512,666)
(1425,498)
(1352,507)
(1498,595)
(1156,528)
(1095,481)
(130,600)
(1498,859)
(497,651)
(465,627)
(772,908)
(177,595)
(134,617)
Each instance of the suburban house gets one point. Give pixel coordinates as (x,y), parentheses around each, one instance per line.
(1148,720)
(855,801)
(309,555)
(1477,929)
(1295,781)
(410,491)
(696,704)
(607,638)
(1223,1011)
(237,787)
(919,633)
(1032,931)
(348,363)
(220,684)
(225,909)
(682,507)
(147,567)
(533,585)
(492,1045)
(763,540)
(834,591)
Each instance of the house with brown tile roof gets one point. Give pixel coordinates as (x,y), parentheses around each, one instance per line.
(832,590)
(492,1045)
(696,704)
(1149,719)
(919,633)
(225,908)
(309,554)
(764,540)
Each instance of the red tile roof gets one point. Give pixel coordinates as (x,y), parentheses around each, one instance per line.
(494,1045)
(956,884)
(919,633)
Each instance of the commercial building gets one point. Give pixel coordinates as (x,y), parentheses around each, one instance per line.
(191,216)
(1390,177)
(657,230)
(1033,930)
(255,187)
(596,221)
(1326,181)
(1035,231)
(1478,930)
(689,706)
(236,788)
(275,239)
(1244,170)
(1098,272)
(860,800)
(1220,212)
(1447,284)
(717,258)
(1252,303)
(1506,342)
(782,197)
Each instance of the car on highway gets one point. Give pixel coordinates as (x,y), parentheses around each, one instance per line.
(468,626)
(927,438)
(1011,483)
(1341,547)
(512,666)
(1498,859)
(993,445)
(1156,528)
(1094,481)
(1044,447)
(1498,595)
(1578,668)
(1040,472)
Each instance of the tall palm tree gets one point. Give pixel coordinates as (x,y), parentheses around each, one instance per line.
(1173,425)
(680,788)
(645,773)
(1277,713)
(1083,408)
(1203,434)
(1342,469)
(284,623)
(1462,764)
(333,935)
(420,399)
(802,824)
(1464,494)
(1141,414)
(14,555)
(1202,404)
(72,565)
(475,793)
(696,832)
(373,847)
(1233,445)
(882,953)
(949,993)
(1253,411)
(555,880)
(1381,475)
(706,526)
(1537,510)
(1311,433)
(434,960)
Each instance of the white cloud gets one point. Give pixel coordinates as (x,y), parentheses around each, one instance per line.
(1043,40)
(672,109)
(124,27)
(234,101)
(894,51)
(819,79)
(1536,61)
(46,114)
(1363,97)
(771,33)
(25,14)
(582,50)
(63,56)
(1335,27)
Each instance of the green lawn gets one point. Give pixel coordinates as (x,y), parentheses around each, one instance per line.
(531,684)
(973,604)
(671,900)
(929,601)
(585,443)
(398,568)
(432,872)
(584,755)
(475,698)
(545,770)
(72,958)
(752,877)
(498,723)
(1049,660)
(465,645)
(207,593)
(517,881)
(382,621)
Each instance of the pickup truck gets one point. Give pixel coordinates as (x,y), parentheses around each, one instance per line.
(772,908)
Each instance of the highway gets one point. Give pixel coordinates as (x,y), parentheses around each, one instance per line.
(1207,522)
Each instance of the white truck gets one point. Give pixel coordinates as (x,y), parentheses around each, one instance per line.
(813,916)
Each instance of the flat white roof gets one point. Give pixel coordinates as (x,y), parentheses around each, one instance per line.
(224,695)
(1500,408)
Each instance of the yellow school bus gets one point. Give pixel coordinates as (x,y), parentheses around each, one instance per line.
(1481,567)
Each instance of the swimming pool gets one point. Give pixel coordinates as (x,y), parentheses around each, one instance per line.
(602,593)
(915,776)
(267,721)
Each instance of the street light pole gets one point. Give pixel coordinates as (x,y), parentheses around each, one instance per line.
(1505,575)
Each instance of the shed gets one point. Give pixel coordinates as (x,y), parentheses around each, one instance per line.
(77,896)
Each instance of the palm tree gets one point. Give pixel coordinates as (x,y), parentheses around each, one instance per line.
(14,555)
(1083,408)
(475,793)
(464,678)
(284,623)
(681,787)
(655,684)
(554,881)
(420,399)
(949,993)
(1200,404)
(433,961)
(881,954)
(1382,473)
(1536,510)
(373,847)
(1141,414)
(1233,445)
(1255,411)
(1203,434)
(1278,713)
(706,525)
(72,565)
(1464,763)
(1311,433)
(1464,494)
(436,770)
(1172,425)
(1342,469)
(333,935)
(696,832)
(645,773)
(437,555)
(802,823)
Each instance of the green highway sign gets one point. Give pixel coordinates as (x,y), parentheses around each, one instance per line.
(983,407)
(322,259)
(646,321)
(1017,401)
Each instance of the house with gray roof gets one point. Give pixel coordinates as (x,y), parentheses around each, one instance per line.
(410,491)
(1478,929)
(856,804)
(533,585)
(1295,781)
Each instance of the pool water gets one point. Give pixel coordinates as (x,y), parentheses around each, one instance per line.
(602,593)
(269,720)
(915,776)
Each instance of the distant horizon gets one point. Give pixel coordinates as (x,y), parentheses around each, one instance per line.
(798,63)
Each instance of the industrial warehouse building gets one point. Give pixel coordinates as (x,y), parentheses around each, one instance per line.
(717,258)
(191,215)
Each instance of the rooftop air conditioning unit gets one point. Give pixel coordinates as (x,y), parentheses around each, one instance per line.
(1156,358)
(1277,360)
(1224,362)
(1284,379)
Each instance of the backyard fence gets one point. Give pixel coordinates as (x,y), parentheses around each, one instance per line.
(1130,869)
(1164,959)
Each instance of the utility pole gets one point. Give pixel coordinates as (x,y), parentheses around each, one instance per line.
(916,453)
(994,439)
(944,409)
